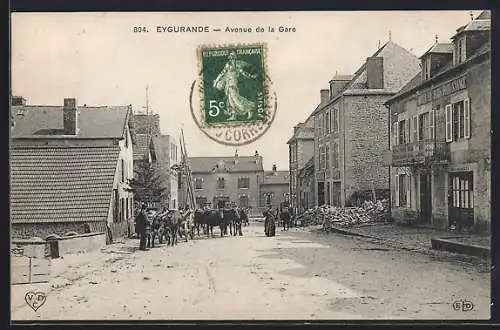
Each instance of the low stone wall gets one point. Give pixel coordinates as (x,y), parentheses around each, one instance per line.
(404,216)
(81,243)
(29,248)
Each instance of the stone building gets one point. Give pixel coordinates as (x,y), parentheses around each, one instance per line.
(69,170)
(165,154)
(235,178)
(306,186)
(275,188)
(351,130)
(300,151)
(441,134)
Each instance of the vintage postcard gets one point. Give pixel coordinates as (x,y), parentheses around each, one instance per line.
(303,166)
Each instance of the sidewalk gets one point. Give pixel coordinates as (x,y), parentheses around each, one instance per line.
(423,239)
(72,267)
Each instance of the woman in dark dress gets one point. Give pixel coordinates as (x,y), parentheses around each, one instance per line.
(269,223)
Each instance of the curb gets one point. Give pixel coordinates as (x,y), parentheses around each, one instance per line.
(457,247)
(437,245)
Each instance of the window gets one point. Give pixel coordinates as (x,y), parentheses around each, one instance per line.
(426,67)
(402,190)
(328,120)
(415,129)
(243,183)
(460,51)
(402,132)
(335,155)
(200,201)
(423,126)
(123,169)
(173,204)
(327,156)
(457,121)
(335,120)
(462,192)
(179,180)
(198,183)
(244,201)
(220,183)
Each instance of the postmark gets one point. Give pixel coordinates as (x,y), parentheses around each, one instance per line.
(234,103)
(35,299)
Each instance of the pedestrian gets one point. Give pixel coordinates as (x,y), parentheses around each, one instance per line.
(141,222)
(269,222)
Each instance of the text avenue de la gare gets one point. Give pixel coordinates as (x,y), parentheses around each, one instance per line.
(206,29)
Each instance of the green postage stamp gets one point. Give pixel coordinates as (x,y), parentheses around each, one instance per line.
(236,106)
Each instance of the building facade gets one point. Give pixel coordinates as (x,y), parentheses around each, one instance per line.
(441,135)
(70,168)
(235,179)
(351,127)
(275,188)
(300,150)
(166,154)
(306,186)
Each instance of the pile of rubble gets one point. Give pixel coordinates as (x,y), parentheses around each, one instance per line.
(330,216)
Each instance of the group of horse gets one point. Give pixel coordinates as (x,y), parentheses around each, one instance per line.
(171,225)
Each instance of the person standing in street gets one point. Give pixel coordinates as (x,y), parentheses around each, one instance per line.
(141,224)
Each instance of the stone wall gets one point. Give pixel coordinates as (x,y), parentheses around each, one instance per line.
(42,230)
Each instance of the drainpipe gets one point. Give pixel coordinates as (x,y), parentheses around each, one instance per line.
(389,145)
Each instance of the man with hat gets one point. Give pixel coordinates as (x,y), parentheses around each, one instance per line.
(142,225)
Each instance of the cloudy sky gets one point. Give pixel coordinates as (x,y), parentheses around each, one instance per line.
(99,60)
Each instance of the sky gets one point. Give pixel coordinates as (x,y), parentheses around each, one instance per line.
(99,60)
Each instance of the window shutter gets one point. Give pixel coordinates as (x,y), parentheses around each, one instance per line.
(395,134)
(416,137)
(449,123)
(396,191)
(467,118)
(408,191)
(407,131)
(432,124)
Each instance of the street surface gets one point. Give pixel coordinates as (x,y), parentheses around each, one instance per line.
(295,275)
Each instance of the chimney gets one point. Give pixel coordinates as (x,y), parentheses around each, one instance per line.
(375,73)
(18,100)
(256,153)
(325,96)
(236,157)
(338,83)
(274,169)
(70,114)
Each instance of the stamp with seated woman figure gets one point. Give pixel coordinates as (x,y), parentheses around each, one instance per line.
(235,105)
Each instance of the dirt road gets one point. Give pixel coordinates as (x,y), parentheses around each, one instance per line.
(295,275)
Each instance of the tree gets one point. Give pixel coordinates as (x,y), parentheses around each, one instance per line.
(148,185)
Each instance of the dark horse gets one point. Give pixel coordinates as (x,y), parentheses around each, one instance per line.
(206,219)
(285,217)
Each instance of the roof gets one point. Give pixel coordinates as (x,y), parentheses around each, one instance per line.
(162,148)
(141,146)
(308,167)
(400,66)
(278,177)
(416,82)
(95,122)
(61,183)
(439,48)
(342,77)
(208,164)
(480,23)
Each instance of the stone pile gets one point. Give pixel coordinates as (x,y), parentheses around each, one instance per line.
(331,216)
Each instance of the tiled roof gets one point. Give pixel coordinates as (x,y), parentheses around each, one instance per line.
(280,177)
(103,122)
(61,183)
(244,164)
(481,23)
(440,48)
(141,146)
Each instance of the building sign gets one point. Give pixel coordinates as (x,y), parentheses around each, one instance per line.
(443,90)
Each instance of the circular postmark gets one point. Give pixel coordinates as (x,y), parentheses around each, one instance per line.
(232,102)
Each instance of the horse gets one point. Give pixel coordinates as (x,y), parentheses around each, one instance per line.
(285,218)
(206,219)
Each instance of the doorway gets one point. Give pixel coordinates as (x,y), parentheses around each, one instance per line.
(336,194)
(321,193)
(425,198)
(461,199)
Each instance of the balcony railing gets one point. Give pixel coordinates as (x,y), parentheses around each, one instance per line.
(420,153)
